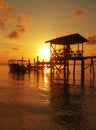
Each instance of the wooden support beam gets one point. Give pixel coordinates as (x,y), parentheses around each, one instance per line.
(82,49)
(34,62)
(92,70)
(82,71)
(74,69)
(37,63)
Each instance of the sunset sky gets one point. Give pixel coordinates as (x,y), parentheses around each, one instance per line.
(25,25)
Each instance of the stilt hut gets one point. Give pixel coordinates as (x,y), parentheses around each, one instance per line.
(61,51)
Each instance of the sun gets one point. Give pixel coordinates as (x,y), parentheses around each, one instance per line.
(45,53)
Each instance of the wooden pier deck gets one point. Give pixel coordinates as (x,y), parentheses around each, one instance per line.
(92,59)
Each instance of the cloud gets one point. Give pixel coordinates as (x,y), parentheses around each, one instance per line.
(21,27)
(16,49)
(6,20)
(78,14)
(92,39)
(17,33)
(5,14)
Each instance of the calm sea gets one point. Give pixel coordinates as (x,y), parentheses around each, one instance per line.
(34,102)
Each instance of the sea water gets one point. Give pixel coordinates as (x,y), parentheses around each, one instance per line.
(33,101)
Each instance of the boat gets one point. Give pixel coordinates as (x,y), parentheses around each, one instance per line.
(17,66)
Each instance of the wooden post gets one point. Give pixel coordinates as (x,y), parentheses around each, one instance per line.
(74,69)
(82,71)
(22,60)
(34,62)
(28,65)
(51,71)
(92,68)
(82,49)
(51,77)
(37,63)
(43,64)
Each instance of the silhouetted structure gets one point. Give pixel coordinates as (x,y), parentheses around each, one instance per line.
(17,66)
(62,51)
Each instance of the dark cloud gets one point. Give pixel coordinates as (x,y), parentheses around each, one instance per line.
(17,33)
(16,49)
(92,39)
(21,28)
(78,13)
(6,20)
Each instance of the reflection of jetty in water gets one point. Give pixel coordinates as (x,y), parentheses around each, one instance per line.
(67,106)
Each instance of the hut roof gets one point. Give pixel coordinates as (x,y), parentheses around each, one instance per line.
(69,39)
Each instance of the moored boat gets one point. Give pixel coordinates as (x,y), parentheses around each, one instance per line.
(17,66)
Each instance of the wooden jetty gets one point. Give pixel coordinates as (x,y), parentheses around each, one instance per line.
(62,51)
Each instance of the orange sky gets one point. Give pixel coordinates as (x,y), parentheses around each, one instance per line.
(26,25)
